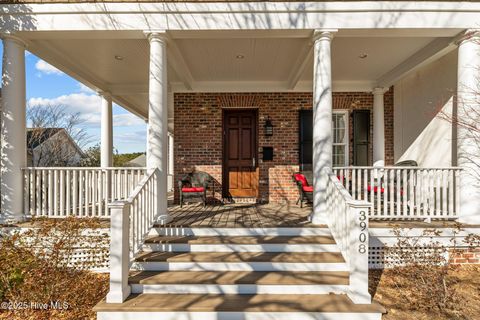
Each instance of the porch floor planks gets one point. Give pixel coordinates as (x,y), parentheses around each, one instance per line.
(244,303)
(239,215)
(241,277)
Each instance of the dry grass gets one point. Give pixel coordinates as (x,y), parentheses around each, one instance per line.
(400,295)
(81,297)
(39,278)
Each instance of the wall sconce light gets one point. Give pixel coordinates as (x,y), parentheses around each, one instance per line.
(268,127)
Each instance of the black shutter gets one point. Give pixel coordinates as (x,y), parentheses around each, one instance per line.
(306,134)
(361,137)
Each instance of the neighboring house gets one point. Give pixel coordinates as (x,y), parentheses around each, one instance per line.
(254,92)
(48,147)
(140,161)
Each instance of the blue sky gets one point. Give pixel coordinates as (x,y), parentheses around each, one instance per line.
(48,85)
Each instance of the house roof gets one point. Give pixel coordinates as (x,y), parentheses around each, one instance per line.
(46,133)
(37,136)
(140,161)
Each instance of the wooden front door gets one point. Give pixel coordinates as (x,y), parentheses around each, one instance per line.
(240,153)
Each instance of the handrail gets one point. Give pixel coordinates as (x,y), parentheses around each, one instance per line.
(347,219)
(86,168)
(398,167)
(131,221)
(59,192)
(405,192)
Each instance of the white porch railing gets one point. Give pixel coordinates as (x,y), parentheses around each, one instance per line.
(348,221)
(404,192)
(82,192)
(131,221)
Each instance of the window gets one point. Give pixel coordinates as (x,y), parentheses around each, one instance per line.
(340,138)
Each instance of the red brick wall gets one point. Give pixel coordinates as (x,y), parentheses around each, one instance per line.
(198,134)
(466,256)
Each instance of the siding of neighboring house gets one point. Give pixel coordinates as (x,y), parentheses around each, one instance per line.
(39,157)
(420,133)
(198,134)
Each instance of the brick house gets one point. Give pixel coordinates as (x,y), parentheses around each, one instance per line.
(252,92)
(199,142)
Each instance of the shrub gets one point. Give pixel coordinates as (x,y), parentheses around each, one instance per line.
(420,262)
(41,266)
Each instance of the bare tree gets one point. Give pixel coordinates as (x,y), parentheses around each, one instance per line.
(51,128)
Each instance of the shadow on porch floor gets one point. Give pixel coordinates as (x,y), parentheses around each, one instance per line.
(239,215)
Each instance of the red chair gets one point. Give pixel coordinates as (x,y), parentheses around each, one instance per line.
(194,185)
(305,190)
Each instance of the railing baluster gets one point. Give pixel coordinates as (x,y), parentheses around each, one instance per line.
(87,193)
(75,192)
(450,192)
(94,192)
(26,192)
(354,183)
(457,192)
(62,193)
(81,194)
(372,193)
(379,191)
(68,195)
(392,192)
(55,192)
(437,193)
(38,196)
(101,188)
(386,177)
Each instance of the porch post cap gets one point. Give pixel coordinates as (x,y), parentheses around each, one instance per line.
(468,35)
(323,34)
(9,36)
(379,90)
(105,94)
(118,204)
(156,35)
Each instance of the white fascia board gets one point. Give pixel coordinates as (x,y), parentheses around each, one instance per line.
(271,86)
(240,16)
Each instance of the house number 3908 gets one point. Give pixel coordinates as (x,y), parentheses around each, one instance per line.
(362,247)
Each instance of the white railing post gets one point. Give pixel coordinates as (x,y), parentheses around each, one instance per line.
(358,251)
(119,252)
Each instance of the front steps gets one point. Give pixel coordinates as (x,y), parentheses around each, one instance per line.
(239,273)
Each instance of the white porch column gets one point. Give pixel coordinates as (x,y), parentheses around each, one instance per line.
(378,127)
(468,106)
(13,129)
(157,154)
(106,142)
(322,119)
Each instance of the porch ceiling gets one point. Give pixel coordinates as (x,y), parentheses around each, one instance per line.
(253,61)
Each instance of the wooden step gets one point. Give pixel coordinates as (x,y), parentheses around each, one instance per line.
(212,306)
(239,277)
(313,230)
(241,240)
(225,257)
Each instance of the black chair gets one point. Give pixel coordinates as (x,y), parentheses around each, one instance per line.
(194,186)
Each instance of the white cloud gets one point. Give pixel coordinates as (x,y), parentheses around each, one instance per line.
(47,68)
(88,105)
(74,102)
(127,120)
(134,137)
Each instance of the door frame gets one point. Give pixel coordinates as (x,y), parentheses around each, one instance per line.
(225,181)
